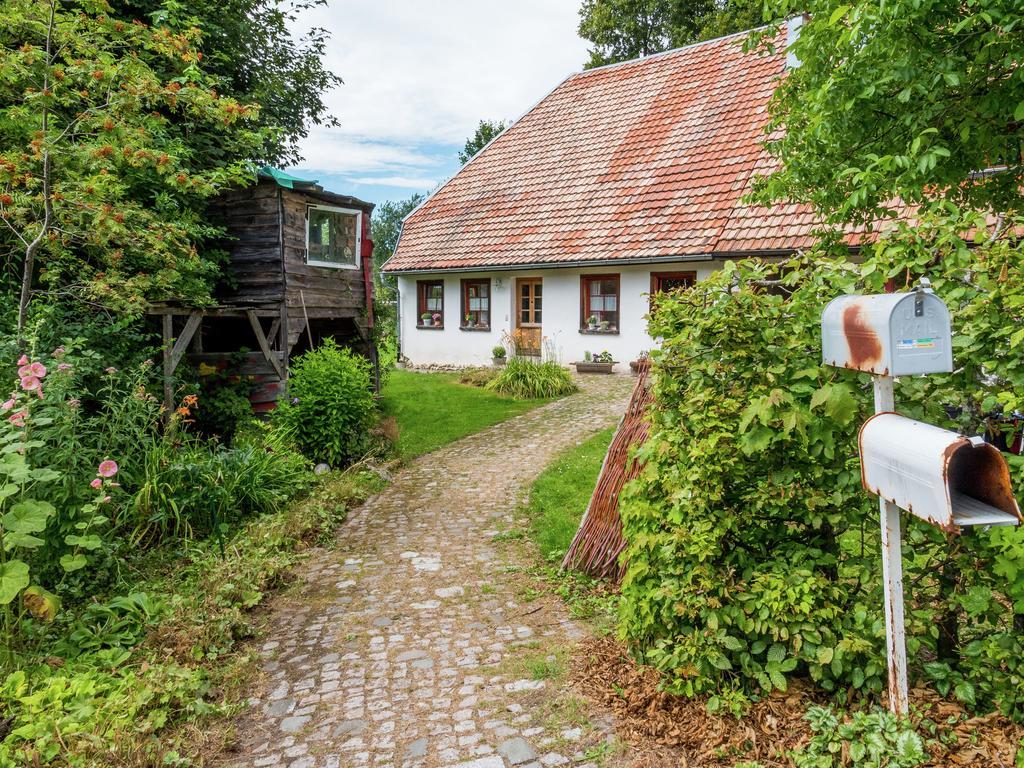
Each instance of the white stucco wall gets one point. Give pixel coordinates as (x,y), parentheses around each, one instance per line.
(561,316)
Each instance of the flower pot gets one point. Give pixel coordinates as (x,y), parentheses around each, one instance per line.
(499,362)
(593,367)
(426,321)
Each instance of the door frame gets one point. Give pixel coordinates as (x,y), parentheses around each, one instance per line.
(520,281)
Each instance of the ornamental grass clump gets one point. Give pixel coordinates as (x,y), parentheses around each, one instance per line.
(527,380)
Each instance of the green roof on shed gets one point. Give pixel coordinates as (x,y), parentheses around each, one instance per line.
(285,179)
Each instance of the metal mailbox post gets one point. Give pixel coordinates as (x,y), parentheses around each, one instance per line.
(944,478)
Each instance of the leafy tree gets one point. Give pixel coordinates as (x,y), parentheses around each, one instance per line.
(626,29)
(250,51)
(486,132)
(901,103)
(386,227)
(99,197)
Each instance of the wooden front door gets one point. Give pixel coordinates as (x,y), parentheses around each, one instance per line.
(529,308)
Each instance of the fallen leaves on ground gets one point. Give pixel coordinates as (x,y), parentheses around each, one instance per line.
(664,729)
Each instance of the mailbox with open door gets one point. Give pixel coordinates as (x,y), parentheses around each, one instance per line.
(944,478)
(949,480)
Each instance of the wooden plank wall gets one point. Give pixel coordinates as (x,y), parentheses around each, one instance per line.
(326,292)
(252,218)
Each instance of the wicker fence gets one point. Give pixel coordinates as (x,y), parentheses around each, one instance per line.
(598,543)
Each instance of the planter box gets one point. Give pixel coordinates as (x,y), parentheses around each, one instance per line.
(592,367)
(499,362)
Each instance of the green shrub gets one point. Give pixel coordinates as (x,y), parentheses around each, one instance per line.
(499,351)
(527,380)
(866,740)
(330,407)
(752,545)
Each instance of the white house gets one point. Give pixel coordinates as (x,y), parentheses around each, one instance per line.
(624,180)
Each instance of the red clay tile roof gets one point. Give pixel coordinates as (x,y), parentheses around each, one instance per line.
(642,160)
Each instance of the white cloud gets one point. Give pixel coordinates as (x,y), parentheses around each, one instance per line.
(420,72)
(332,150)
(403,182)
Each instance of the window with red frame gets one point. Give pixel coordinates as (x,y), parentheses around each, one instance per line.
(430,303)
(476,304)
(599,303)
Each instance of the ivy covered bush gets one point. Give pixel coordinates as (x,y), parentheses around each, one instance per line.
(330,408)
(753,551)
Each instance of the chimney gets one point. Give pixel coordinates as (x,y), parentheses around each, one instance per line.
(792,33)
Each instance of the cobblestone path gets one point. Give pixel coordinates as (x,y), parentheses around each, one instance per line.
(405,646)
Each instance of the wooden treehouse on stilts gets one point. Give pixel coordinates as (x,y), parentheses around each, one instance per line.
(299,272)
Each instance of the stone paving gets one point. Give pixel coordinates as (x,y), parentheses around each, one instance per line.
(399,648)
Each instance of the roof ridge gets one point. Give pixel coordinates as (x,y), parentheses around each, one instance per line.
(670,51)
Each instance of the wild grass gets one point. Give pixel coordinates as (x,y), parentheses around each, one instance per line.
(142,678)
(434,409)
(524,379)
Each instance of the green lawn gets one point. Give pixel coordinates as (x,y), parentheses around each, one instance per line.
(559,496)
(434,409)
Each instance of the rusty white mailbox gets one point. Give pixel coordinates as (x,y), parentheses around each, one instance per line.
(938,475)
(891,334)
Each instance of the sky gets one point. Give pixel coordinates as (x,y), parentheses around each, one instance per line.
(420,75)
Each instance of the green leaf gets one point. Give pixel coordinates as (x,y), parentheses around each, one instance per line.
(90,542)
(1018,113)
(71,563)
(841,405)
(13,579)
(825,654)
(778,680)
(28,516)
(837,14)
(965,692)
(23,540)
(977,600)
(777,653)
(756,440)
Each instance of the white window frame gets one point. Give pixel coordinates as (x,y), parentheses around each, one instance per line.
(359,237)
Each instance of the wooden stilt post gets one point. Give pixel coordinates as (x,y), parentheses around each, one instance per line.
(168,333)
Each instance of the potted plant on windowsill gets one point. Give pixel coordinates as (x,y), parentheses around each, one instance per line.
(592,323)
(426,319)
(498,355)
(438,320)
(602,363)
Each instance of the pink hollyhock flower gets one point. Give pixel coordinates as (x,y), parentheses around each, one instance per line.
(25,370)
(96,483)
(18,419)
(38,369)
(64,367)
(59,352)
(107,468)
(7,405)
(105,500)
(23,360)
(28,383)
(40,393)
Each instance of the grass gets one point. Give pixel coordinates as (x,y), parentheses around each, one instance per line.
(559,496)
(434,409)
